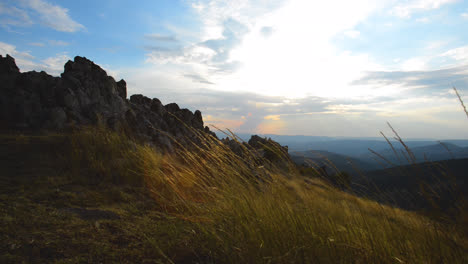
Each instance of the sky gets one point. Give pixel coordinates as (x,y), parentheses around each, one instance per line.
(288,67)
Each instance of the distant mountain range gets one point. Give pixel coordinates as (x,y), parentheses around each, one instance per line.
(383,159)
(347,154)
(349,146)
(433,152)
(333,161)
(423,185)
(412,186)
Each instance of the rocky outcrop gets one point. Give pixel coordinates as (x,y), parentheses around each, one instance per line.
(8,65)
(262,149)
(269,148)
(86,95)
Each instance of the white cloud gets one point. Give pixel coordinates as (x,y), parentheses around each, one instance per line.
(50,42)
(30,12)
(234,53)
(464,15)
(37,44)
(352,33)
(407,8)
(267,31)
(299,59)
(54,16)
(198,6)
(6,48)
(26,62)
(214,12)
(54,65)
(436,45)
(423,20)
(12,16)
(225,24)
(190,55)
(459,54)
(414,64)
(436,57)
(162,38)
(58,43)
(296,61)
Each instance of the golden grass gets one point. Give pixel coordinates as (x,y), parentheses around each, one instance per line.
(220,208)
(246,213)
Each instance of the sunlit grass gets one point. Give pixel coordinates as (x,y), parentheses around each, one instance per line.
(247,213)
(206,204)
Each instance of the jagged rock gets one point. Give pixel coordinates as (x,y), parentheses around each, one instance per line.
(86,95)
(172,107)
(197,121)
(157,107)
(234,145)
(122,89)
(258,142)
(8,65)
(140,99)
(261,149)
(269,149)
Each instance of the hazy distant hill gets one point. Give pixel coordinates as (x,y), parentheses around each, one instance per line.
(340,150)
(333,161)
(355,163)
(433,152)
(351,147)
(459,142)
(285,139)
(354,147)
(344,146)
(413,186)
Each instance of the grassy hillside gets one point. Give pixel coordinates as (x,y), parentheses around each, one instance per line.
(94,196)
(419,186)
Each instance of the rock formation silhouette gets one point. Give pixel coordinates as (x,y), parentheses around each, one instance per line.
(86,95)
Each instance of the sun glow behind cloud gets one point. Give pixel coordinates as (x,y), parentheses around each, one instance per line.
(290,51)
(297,58)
